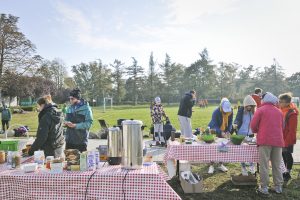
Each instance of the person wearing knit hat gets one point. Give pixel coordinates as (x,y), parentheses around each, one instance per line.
(267,122)
(221,121)
(268,97)
(79,119)
(157,114)
(242,125)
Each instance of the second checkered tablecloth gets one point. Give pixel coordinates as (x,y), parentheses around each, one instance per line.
(206,153)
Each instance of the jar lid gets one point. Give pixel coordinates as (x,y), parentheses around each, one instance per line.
(114,129)
(132,122)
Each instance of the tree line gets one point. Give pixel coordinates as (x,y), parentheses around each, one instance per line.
(23,73)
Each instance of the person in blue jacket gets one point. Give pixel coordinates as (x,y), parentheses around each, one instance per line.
(79,119)
(242,125)
(221,122)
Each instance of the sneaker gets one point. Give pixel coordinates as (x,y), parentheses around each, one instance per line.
(222,168)
(162,144)
(211,169)
(157,143)
(244,171)
(278,189)
(263,190)
(252,169)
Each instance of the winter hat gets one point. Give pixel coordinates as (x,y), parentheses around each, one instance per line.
(76,93)
(226,105)
(270,98)
(157,100)
(249,101)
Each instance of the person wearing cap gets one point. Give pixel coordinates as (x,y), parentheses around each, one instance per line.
(185,113)
(257,96)
(221,122)
(242,125)
(49,136)
(267,122)
(79,119)
(290,116)
(157,114)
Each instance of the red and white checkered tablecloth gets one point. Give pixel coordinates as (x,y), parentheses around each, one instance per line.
(146,183)
(206,153)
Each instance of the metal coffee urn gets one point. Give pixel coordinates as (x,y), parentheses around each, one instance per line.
(132,155)
(114,155)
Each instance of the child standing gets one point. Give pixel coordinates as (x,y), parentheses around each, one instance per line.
(157,114)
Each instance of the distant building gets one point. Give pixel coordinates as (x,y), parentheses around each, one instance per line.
(5,100)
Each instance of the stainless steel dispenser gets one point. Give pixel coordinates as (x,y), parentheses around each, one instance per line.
(132,155)
(114,155)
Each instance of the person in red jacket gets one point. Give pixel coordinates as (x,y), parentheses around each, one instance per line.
(267,122)
(290,115)
(257,96)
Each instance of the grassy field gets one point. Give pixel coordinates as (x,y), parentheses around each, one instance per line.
(201,117)
(218,186)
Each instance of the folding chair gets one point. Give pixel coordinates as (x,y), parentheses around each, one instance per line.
(104,128)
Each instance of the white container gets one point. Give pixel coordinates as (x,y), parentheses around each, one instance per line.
(97,158)
(30,167)
(91,161)
(184,165)
(83,161)
(39,157)
(57,168)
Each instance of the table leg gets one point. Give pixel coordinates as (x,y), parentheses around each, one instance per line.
(257,169)
(177,169)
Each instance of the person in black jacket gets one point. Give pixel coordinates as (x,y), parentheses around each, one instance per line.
(49,137)
(185,113)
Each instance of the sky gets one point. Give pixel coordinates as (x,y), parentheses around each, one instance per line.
(241,31)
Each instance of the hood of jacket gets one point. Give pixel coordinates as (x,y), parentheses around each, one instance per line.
(51,110)
(270,98)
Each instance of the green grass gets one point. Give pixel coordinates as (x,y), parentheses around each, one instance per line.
(200,118)
(219,186)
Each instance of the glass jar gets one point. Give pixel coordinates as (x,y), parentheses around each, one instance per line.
(2,157)
(48,161)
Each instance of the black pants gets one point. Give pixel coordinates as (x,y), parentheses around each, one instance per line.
(80,147)
(288,157)
(5,122)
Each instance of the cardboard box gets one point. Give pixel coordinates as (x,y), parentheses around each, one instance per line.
(191,188)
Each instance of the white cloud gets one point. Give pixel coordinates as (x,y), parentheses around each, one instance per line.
(183,12)
(83,30)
